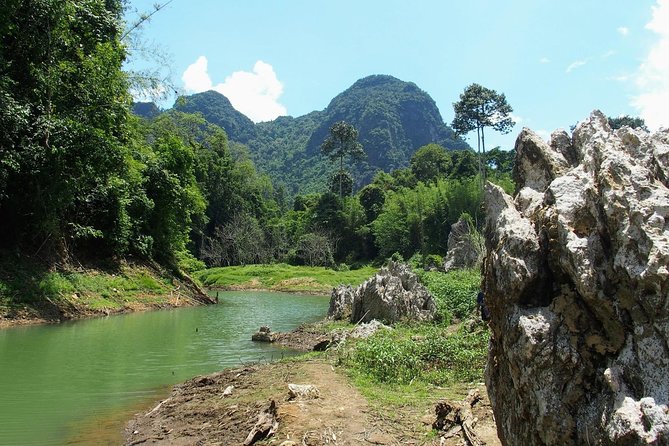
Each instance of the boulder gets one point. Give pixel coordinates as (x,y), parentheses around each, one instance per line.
(576,280)
(393,294)
(363,331)
(264,334)
(303,392)
(465,248)
(340,302)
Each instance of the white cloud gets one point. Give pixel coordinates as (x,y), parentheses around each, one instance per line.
(608,54)
(544,60)
(196,78)
(623,31)
(255,93)
(515,118)
(652,78)
(576,64)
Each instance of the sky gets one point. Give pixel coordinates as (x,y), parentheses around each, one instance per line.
(555,61)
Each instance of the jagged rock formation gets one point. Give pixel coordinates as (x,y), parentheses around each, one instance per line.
(463,251)
(576,280)
(341,302)
(393,294)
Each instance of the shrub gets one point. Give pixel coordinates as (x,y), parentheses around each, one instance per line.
(454,291)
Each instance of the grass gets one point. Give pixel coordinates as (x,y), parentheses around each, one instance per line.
(282,277)
(30,289)
(408,369)
(455,292)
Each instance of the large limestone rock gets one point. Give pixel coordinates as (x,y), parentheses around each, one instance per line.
(341,301)
(391,295)
(464,248)
(576,279)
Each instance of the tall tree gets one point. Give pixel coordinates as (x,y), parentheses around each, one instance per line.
(342,142)
(480,107)
(64,105)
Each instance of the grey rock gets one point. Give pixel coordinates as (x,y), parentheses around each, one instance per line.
(363,331)
(393,294)
(264,334)
(340,302)
(577,280)
(465,249)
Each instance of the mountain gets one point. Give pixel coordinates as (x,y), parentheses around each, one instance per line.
(394,118)
(148,110)
(218,110)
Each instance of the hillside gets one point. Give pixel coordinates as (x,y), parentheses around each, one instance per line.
(394,119)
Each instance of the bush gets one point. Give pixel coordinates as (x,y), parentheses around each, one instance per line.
(424,353)
(455,291)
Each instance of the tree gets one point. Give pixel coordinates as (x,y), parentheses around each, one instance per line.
(480,107)
(431,162)
(63,126)
(342,142)
(341,181)
(629,121)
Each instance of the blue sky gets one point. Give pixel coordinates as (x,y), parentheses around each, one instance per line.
(554,60)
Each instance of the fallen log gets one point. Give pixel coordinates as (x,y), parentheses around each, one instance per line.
(459,419)
(266,425)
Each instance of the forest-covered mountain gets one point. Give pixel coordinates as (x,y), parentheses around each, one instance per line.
(394,119)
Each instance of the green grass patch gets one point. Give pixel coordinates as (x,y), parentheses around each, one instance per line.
(28,287)
(455,292)
(282,277)
(433,355)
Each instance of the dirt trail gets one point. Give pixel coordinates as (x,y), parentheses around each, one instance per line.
(198,412)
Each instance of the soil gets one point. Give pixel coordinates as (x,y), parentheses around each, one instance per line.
(199,413)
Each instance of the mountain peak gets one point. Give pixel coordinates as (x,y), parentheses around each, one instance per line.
(217,109)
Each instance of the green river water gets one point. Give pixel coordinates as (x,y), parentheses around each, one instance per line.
(78,382)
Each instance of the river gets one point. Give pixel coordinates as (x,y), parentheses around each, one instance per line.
(77,382)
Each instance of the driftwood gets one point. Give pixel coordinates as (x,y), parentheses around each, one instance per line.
(458,419)
(266,425)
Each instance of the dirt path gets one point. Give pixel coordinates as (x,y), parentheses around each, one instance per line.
(198,412)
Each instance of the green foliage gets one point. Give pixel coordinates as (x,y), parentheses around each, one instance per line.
(342,143)
(431,162)
(421,353)
(282,277)
(480,107)
(218,110)
(419,219)
(454,292)
(626,120)
(65,101)
(394,119)
(341,182)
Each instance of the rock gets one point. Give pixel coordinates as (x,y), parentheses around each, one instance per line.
(340,302)
(264,334)
(393,294)
(363,331)
(228,390)
(266,425)
(465,248)
(303,392)
(576,279)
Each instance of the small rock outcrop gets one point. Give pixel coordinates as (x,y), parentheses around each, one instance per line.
(264,334)
(464,248)
(340,302)
(577,280)
(393,294)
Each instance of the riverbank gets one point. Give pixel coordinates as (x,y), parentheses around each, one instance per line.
(282,277)
(33,293)
(348,407)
